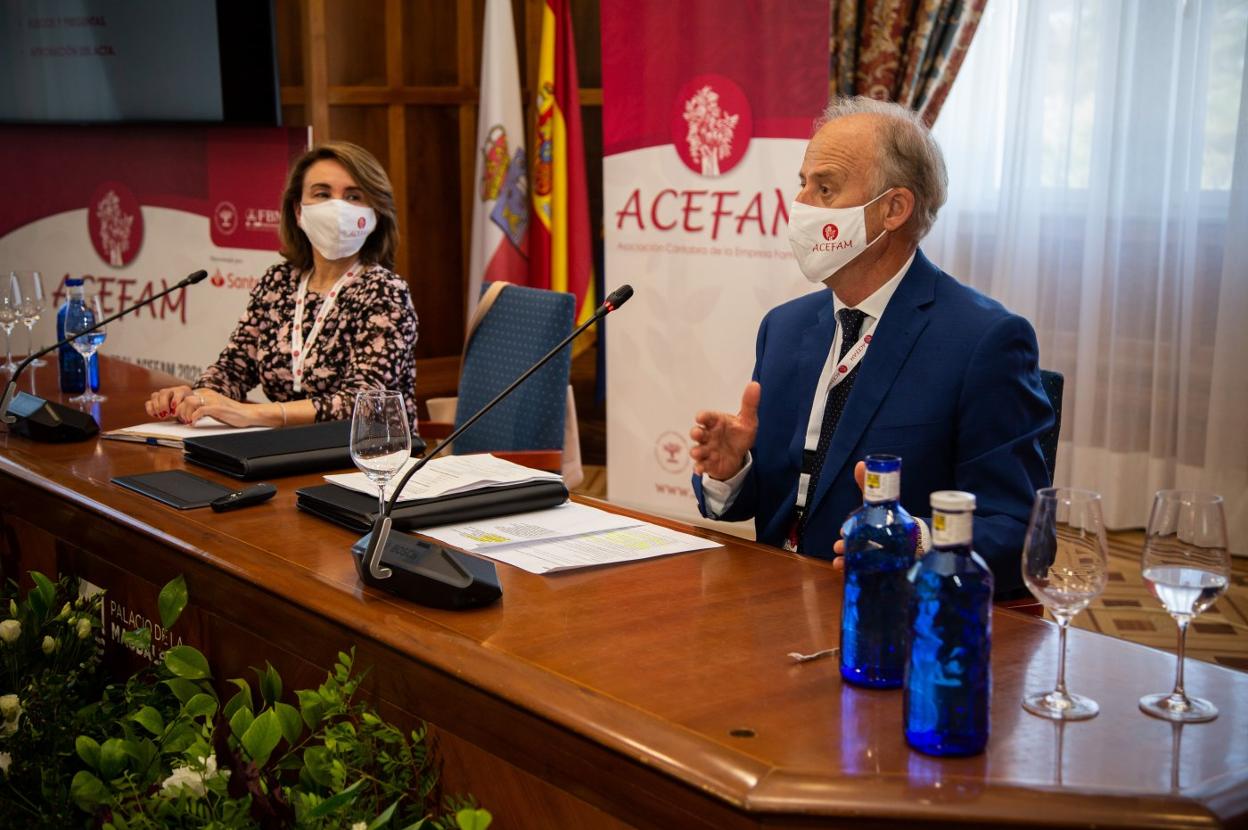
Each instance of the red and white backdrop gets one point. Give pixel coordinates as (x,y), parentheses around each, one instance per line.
(705,121)
(135,209)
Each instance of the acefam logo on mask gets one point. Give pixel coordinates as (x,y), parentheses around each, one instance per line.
(830,232)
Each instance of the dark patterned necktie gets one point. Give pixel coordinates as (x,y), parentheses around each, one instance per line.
(850,320)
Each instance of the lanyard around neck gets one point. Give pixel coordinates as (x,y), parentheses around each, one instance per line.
(298,347)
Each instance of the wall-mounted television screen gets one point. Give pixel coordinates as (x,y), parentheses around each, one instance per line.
(92,61)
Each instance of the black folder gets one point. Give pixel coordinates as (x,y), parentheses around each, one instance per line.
(278,452)
(357,511)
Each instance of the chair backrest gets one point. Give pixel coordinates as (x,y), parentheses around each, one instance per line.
(1053,383)
(522,326)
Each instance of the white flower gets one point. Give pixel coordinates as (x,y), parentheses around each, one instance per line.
(84,628)
(191,780)
(10,707)
(64,612)
(10,630)
(12,608)
(49,644)
(359,825)
(5,760)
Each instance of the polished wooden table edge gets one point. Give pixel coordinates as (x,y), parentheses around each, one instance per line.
(746,782)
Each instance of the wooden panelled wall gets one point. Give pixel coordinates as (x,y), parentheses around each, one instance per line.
(400,78)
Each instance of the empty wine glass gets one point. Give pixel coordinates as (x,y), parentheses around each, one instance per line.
(381,440)
(1065,566)
(9,314)
(1186,565)
(30,306)
(81,315)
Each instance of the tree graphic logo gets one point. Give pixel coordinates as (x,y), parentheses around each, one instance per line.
(671,451)
(711,125)
(115,224)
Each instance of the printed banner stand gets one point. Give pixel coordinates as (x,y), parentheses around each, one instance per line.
(134,210)
(704,128)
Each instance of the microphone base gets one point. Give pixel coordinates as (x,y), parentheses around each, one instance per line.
(42,420)
(429,574)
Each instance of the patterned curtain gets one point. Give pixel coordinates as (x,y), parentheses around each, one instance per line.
(908,51)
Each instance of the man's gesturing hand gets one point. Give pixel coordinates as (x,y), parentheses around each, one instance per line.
(721,440)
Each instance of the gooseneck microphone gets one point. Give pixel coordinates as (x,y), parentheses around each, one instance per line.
(371,570)
(43,420)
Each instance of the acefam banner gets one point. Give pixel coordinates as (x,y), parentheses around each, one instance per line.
(134,210)
(706,115)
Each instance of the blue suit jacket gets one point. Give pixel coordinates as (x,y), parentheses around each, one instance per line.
(950,383)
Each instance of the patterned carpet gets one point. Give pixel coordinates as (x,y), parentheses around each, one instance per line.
(1127,609)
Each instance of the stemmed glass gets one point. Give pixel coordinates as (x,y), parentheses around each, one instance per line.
(81,315)
(1187,567)
(30,306)
(1065,565)
(381,440)
(10,300)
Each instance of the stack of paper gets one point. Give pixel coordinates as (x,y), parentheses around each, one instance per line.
(447,475)
(172,433)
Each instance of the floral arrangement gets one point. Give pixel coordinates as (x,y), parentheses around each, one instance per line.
(163,750)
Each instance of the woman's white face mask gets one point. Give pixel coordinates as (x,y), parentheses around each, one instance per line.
(825,240)
(337,229)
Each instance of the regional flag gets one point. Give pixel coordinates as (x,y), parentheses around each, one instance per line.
(500,207)
(560,256)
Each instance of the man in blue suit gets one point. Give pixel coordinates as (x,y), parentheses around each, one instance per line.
(895,357)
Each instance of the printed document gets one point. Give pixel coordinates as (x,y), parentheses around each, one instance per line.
(171,433)
(628,544)
(447,475)
(562,522)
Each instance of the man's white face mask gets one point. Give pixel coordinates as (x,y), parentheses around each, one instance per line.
(825,240)
(337,229)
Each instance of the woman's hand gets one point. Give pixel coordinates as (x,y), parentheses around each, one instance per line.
(205,403)
(164,402)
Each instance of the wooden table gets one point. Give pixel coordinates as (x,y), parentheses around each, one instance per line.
(655,694)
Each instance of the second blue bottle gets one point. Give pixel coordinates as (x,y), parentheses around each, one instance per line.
(880,542)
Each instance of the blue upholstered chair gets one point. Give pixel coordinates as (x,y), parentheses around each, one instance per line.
(521,326)
(1053,384)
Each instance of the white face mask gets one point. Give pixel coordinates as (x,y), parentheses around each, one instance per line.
(825,240)
(337,229)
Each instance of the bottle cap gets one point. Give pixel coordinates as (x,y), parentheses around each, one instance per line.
(74,281)
(953,501)
(880,463)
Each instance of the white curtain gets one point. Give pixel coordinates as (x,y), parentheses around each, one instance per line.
(1098,167)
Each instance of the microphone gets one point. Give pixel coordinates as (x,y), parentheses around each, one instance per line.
(43,420)
(439,577)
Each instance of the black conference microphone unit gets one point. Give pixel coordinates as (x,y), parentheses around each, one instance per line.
(44,420)
(427,573)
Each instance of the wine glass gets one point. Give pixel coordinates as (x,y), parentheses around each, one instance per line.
(81,315)
(1187,567)
(381,440)
(10,300)
(30,306)
(1065,565)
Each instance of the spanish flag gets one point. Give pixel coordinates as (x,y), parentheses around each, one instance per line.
(560,256)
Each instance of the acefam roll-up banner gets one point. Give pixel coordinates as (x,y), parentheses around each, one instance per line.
(707,108)
(135,209)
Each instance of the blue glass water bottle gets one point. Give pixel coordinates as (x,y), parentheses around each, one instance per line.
(880,541)
(949,674)
(73,374)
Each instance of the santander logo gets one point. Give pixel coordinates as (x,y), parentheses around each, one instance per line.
(830,232)
(115,224)
(711,125)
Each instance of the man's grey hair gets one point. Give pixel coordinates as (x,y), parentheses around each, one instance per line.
(908,156)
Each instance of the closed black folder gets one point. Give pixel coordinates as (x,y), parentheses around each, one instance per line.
(278,452)
(357,511)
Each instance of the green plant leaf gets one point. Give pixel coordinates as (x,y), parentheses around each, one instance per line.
(270,683)
(112,758)
(149,719)
(419,824)
(335,802)
(143,753)
(311,707)
(241,721)
(139,639)
(186,662)
(383,819)
(183,690)
(171,601)
(241,698)
(200,706)
(88,751)
(473,819)
(316,762)
(290,721)
(262,736)
(44,593)
(181,738)
(87,791)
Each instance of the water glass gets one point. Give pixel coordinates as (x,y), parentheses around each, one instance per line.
(10,301)
(1186,565)
(31,303)
(81,315)
(1065,566)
